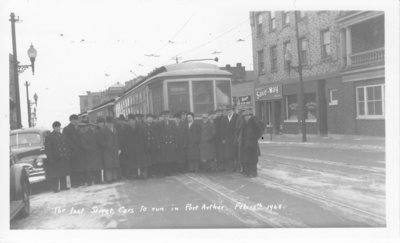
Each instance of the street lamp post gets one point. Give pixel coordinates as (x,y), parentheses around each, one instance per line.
(299,69)
(28,103)
(19,68)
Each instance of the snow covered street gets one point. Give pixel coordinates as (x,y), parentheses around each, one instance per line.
(317,184)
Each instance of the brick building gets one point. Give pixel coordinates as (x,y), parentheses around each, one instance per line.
(93,99)
(242,85)
(342,58)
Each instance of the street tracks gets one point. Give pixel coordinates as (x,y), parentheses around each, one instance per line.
(377,171)
(213,191)
(345,209)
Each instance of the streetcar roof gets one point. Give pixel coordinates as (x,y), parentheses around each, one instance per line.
(191,68)
(181,69)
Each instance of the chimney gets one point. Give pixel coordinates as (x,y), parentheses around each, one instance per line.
(228,66)
(238,64)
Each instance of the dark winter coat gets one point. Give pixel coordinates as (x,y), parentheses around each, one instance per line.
(123,140)
(58,157)
(218,138)
(227,130)
(194,139)
(92,151)
(249,133)
(151,142)
(168,140)
(182,142)
(73,140)
(136,147)
(207,145)
(109,143)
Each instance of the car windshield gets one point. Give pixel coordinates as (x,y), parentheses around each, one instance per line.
(25,140)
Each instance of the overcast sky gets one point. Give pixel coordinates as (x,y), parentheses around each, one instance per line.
(78,42)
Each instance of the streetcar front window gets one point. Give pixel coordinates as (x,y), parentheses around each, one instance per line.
(203,97)
(223,93)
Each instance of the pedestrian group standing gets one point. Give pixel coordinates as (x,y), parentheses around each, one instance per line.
(142,147)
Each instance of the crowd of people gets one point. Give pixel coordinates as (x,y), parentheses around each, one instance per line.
(144,146)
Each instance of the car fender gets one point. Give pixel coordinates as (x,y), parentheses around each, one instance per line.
(17,176)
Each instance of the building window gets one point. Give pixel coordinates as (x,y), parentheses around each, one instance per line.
(286,49)
(274,59)
(222,93)
(203,96)
(304,51)
(272,21)
(261,66)
(326,43)
(310,106)
(291,108)
(259,25)
(370,101)
(285,18)
(85,103)
(333,100)
(301,15)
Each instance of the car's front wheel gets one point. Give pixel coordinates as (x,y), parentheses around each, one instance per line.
(25,198)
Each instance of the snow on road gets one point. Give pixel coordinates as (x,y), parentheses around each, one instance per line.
(72,209)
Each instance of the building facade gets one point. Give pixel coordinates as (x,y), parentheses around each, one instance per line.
(338,56)
(242,86)
(93,99)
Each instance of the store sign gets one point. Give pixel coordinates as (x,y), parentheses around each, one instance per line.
(269,92)
(243,100)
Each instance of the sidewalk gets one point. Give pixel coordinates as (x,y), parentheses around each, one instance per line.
(332,140)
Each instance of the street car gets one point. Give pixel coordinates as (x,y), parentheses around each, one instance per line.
(27,144)
(19,188)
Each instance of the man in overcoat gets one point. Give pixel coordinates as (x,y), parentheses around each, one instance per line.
(137,162)
(232,146)
(193,143)
(58,158)
(92,154)
(207,144)
(151,144)
(168,140)
(121,127)
(250,131)
(181,122)
(111,150)
(77,160)
(218,138)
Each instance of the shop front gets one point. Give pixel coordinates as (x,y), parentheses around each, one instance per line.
(268,99)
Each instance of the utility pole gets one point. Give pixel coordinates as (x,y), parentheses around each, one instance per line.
(15,69)
(28,103)
(301,90)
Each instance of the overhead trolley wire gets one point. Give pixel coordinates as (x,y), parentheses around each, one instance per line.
(215,38)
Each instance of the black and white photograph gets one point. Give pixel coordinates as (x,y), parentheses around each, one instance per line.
(200,119)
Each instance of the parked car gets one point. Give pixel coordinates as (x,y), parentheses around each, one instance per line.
(27,144)
(19,189)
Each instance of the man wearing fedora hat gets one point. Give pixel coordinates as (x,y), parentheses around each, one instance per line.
(108,139)
(250,130)
(227,128)
(151,144)
(73,140)
(168,140)
(92,153)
